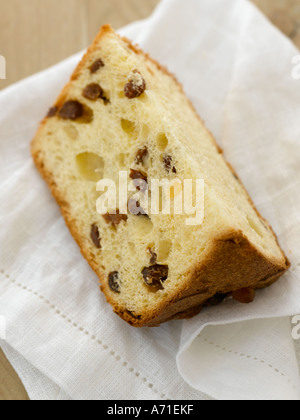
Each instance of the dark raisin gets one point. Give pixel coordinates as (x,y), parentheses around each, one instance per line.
(96,65)
(141,155)
(105,99)
(93,92)
(136,85)
(114,282)
(140,180)
(138,175)
(167,160)
(135,208)
(52,112)
(133,315)
(95,236)
(155,275)
(216,299)
(168,164)
(115,219)
(71,110)
(246,295)
(153,259)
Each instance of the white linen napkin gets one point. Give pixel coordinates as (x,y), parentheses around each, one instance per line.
(61,335)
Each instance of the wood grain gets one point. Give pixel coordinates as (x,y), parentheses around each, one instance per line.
(285,14)
(11,388)
(36,34)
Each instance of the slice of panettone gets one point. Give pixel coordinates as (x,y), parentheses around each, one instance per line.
(123,120)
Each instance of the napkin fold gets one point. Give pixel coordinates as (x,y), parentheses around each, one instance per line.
(62,337)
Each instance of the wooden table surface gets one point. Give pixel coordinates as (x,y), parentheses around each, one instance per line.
(36,34)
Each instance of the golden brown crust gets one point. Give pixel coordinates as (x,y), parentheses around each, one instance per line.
(230,256)
(237,262)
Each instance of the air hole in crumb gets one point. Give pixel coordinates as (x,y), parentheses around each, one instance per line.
(88,115)
(71,131)
(254,226)
(144,98)
(90,166)
(143,225)
(128,126)
(164,249)
(162,142)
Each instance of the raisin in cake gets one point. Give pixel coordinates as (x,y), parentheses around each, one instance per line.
(122,111)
